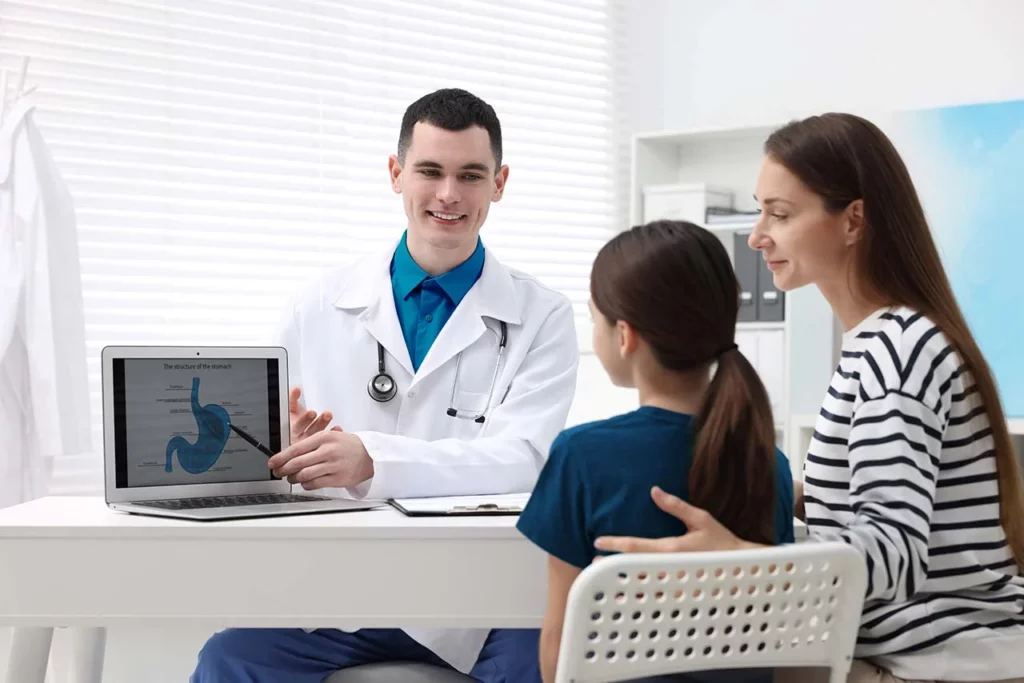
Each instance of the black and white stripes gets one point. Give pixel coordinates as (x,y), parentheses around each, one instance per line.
(901,467)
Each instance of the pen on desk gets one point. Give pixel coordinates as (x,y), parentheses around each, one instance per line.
(248,437)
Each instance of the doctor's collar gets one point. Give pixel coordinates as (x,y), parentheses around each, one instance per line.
(406,274)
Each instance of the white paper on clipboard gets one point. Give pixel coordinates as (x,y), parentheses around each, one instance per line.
(508,503)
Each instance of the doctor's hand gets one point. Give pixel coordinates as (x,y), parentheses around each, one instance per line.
(327,459)
(305,422)
(704,532)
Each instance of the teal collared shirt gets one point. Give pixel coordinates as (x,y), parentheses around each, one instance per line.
(424,303)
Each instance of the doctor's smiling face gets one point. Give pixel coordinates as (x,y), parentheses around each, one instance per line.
(448,171)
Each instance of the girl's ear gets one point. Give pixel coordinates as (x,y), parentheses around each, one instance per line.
(627,338)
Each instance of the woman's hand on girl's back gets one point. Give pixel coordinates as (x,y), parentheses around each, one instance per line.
(704,532)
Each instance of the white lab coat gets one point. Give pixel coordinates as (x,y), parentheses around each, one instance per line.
(44,408)
(331,335)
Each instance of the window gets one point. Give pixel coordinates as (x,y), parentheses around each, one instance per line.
(220,151)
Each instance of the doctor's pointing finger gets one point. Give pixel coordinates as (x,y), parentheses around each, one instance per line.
(324,460)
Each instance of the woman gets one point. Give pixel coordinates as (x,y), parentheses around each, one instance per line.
(704,428)
(911,461)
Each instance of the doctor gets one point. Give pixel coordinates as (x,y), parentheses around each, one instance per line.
(444,373)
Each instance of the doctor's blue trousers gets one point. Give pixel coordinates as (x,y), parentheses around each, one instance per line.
(295,656)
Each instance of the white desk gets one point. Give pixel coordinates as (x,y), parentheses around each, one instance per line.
(72,562)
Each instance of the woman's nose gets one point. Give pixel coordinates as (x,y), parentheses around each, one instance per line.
(757,239)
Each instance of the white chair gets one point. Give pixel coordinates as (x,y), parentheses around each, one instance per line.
(631,616)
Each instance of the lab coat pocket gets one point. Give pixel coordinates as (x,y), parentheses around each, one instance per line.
(476,370)
(469,405)
(470,402)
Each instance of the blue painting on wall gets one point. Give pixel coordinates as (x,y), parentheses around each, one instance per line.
(968,165)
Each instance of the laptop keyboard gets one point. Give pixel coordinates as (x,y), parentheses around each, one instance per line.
(228,501)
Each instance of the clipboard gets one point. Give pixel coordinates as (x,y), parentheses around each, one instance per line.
(510,504)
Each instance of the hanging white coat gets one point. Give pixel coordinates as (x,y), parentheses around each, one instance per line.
(331,334)
(44,409)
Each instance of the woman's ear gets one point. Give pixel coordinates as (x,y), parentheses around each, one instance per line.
(854,224)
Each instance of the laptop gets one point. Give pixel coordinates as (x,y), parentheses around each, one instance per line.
(187,432)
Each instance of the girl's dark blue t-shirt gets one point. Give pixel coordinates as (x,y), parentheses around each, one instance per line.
(598,477)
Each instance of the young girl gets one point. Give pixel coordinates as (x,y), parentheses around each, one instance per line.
(911,462)
(664,300)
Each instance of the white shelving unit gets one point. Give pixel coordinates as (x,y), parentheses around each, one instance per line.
(677,174)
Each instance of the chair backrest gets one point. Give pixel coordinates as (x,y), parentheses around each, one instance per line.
(636,615)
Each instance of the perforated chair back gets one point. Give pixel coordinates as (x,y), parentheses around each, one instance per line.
(636,615)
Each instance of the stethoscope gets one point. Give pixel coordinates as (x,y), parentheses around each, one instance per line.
(382,387)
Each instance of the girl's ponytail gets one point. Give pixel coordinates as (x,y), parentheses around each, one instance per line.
(733,470)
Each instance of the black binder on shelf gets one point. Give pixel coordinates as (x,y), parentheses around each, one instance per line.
(771,302)
(759,300)
(745,263)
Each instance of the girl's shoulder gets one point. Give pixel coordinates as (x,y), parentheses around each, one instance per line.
(637,424)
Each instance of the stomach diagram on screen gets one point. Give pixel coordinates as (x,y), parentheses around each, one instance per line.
(213,423)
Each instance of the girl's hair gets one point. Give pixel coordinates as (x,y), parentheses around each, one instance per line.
(843,158)
(673,282)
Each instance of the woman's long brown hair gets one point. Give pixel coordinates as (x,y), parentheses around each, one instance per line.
(842,158)
(673,282)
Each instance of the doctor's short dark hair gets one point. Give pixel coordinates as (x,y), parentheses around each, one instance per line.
(451,109)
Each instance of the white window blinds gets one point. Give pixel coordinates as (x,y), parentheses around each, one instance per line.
(220,151)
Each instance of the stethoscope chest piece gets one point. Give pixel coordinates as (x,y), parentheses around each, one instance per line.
(382,388)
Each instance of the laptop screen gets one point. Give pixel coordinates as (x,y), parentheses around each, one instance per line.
(184,422)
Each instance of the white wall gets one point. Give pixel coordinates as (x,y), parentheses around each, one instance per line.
(737,61)
(694,63)
(645,67)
